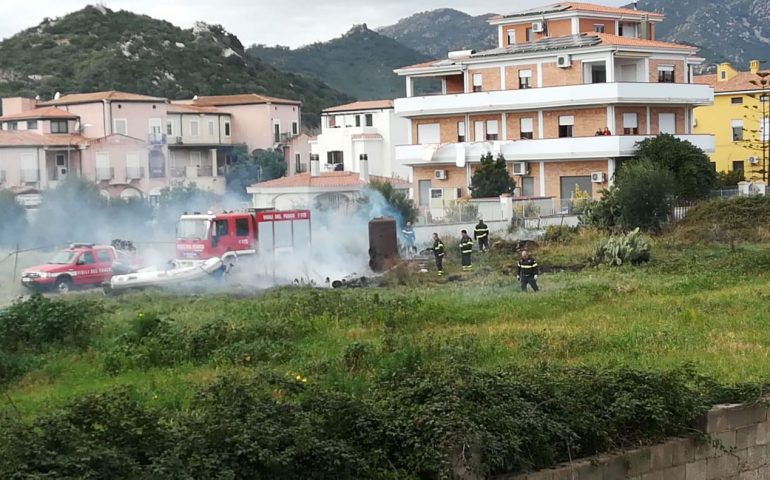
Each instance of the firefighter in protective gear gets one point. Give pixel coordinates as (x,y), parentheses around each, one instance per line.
(481,234)
(409,239)
(527,272)
(438,252)
(466,249)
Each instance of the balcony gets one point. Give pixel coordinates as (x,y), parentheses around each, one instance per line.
(134,173)
(30,175)
(535,150)
(156,138)
(105,174)
(556,97)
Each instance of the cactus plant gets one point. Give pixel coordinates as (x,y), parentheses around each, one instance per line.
(617,250)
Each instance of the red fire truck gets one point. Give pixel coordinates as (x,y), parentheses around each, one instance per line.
(204,236)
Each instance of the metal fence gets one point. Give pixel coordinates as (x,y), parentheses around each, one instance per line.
(494,210)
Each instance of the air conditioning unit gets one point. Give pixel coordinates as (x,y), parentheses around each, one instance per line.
(597,177)
(538,27)
(563,61)
(753,160)
(520,168)
(439,174)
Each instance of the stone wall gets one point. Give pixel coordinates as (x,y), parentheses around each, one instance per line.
(737,448)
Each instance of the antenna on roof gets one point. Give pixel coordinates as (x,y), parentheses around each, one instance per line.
(57,96)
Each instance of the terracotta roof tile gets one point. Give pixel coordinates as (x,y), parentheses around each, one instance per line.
(243,99)
(609,39)
(421,65)
(22,138)
(363,105)
(185,108)
(40,113)
(590,7)
(325,180)
(110,95)
(739,83)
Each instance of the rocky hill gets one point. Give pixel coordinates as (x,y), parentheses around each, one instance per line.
(359,63)
(100,49)
(436,32)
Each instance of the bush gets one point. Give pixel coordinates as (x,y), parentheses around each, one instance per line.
(740,219)
(492,178)
(559,234)
(631,248)
(40,323)
(694,177)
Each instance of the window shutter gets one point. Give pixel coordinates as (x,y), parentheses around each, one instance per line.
(566,120)
(492,127)
(527,125)
(630,120)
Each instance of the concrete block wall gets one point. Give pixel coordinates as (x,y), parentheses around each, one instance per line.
(737,447)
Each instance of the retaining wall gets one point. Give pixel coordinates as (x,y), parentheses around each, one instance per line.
(738,448)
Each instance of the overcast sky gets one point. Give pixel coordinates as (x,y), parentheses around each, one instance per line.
(284,22)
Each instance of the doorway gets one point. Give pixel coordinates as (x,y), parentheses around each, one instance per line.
(62,166)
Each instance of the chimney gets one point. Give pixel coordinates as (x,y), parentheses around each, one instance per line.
(754,66)
(363,167)
(315,167)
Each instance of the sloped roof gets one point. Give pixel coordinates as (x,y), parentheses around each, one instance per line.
(362,105)
(40,113)
(577,7)
(22,138)
(610,39)
(110,95)
(325,180)
(741,82)
(243,99)
(185,108)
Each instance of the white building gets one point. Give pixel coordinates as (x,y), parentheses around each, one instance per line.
(371,128)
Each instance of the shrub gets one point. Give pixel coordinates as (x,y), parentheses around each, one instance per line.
(38,323)
(559,234)
(631,248)
(694,177)
(492,178)
(739,219)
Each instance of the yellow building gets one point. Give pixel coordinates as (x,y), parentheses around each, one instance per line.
(738,119)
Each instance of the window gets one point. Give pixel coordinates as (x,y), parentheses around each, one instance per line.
(212,129)
(599,28)
(723,75)
(620,30)
(525,78)
(358,120)
(529,35)
(736,100)
(13,125)
(477,82)
(103,256)
(737,130)
(32,125)
(667,123)
(59,126)
(277,133)
(528,186)
(195,159)
(738,166)
(764,131)
(120,126)
(334,158)
(511,37)
(630,124)
(241,227)
(87,258)
(297,163)
(294,128)
(221,228)
(492,132)
(369,120)
(566,122)
(194,128)
(169,128)
(599,73)
(478,131)
(666,74)
(527,128)
(227,129)
(460,131)
(428,133)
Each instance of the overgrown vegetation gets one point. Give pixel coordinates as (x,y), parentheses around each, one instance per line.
(694,177)
(736,220)
(631,248)
(397,200)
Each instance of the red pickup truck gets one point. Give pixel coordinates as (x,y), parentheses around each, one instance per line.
(80,265)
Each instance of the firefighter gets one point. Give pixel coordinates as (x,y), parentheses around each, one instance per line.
(409,237)
(527,272)
(481,234)
(466,249)
(438,252)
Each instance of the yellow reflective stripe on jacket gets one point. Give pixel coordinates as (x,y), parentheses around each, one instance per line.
(534,265)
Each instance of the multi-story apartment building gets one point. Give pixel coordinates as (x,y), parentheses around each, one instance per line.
(368,128)
(134,145)
(559,75)
(739,119)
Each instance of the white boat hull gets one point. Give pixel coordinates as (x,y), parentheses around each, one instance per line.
(162,278)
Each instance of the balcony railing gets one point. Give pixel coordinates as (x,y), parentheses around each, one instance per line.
(30,175)
(205,171)
(105,174)
(567,97)
(157,138)
(134,173)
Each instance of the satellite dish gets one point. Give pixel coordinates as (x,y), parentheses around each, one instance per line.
(57,96)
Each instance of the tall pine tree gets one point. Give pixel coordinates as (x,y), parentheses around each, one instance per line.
(491,179)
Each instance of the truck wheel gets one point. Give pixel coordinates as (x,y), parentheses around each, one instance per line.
(63,285)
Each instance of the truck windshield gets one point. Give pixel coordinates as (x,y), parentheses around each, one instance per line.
(63,257)
(192,229)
